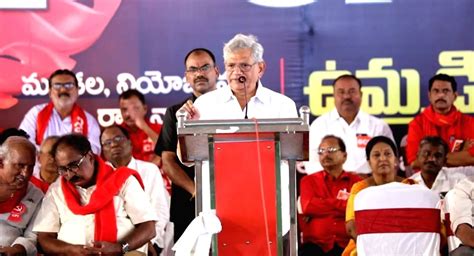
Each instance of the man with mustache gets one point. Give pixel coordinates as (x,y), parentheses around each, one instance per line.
(19,199)
(323,201)
(143,134)
(201,73)
(62,115)
(92,208)
(349,123)
(246,97)
(117,151)
(433,175)
(441,118)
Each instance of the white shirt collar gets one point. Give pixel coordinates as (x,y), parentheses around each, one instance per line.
(334,116)
(261,94)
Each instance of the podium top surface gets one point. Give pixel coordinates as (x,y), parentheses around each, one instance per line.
(291,133)
(280,125)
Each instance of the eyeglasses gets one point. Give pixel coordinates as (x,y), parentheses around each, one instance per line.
(242,66)
(350,92)
(71,167)
(329,150)
(116,139)
(203,69)
(67,86)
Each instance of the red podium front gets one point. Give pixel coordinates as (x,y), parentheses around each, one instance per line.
(244,176)
(245,197)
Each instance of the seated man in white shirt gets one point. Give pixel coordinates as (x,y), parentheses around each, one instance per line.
(348,122)
(432,153)
(460,204)
(117,150)
(92,209)
(19,199)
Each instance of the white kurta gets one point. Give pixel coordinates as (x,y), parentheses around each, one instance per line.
(58,126)
(155,189)
(13,232)
(354,136)
(132,206)
(460,203)
(447,178)
(222,104)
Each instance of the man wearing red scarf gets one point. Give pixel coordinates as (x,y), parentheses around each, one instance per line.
(48,171)
(442,119)
(62,115)
(19,199)
(92,209)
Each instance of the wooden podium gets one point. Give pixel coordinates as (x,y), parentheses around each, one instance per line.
(244,176)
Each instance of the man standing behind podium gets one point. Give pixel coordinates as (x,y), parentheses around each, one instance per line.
(201,73)
(246,97)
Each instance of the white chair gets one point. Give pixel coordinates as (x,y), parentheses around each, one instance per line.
(397,219)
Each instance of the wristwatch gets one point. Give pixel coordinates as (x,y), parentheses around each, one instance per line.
(125,247)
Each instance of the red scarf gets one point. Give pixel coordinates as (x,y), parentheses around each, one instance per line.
(8,205)
(108,184)
(448,126)
(78,120)
(43,185)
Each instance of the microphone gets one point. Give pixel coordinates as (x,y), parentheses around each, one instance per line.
(242,79)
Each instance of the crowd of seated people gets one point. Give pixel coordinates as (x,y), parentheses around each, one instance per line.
(65,190)
(438,156)
(74,190)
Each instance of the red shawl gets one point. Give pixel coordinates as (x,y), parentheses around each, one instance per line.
(78,120)
(448,126)
(108,184)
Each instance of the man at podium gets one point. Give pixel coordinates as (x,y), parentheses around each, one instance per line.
(245,97)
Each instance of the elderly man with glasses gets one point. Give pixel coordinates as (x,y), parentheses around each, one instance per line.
(19,199)
(323,201)
(92,208)
(117,151)
(62,115)
(246,97)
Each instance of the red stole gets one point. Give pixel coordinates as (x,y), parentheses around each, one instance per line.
(108,184)
(8,205)
(43,185)
(78,121)
(448,126)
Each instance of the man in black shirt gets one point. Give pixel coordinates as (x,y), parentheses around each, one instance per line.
(201,73)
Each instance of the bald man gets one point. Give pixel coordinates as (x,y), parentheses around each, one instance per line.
(19,199)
